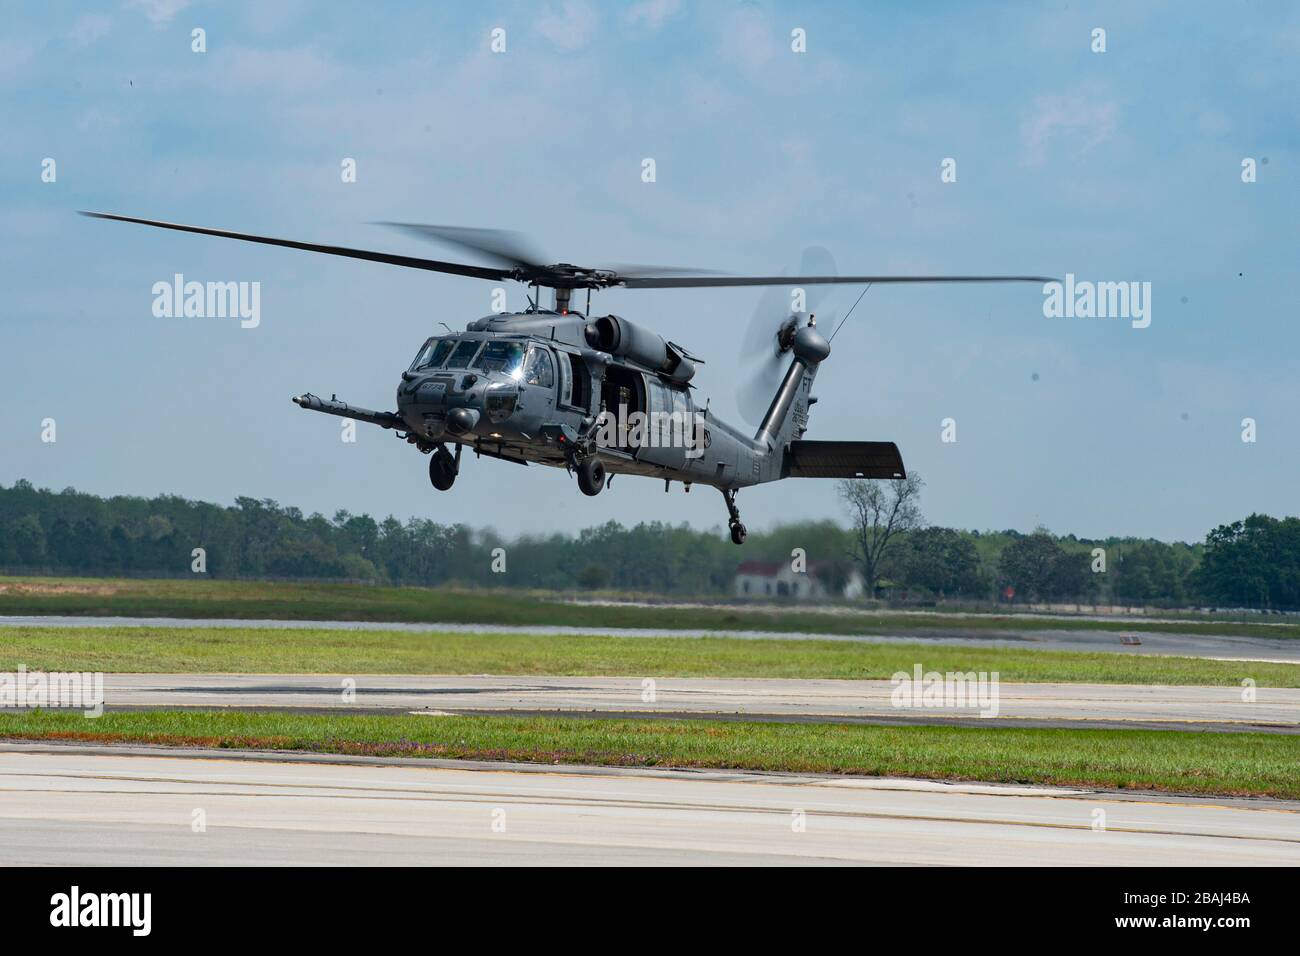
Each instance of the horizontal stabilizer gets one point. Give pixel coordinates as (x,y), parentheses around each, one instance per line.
(843,459)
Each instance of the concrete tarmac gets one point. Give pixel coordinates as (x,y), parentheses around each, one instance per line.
(1061,705)
(85,805)
(1208,646)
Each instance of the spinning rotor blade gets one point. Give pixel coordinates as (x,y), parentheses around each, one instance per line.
(625,270)
(509,248)
(521,263)
(762,372)
(513,249)
(763,364)
(691,282)
(409,262)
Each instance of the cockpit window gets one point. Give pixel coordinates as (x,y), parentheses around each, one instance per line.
(422,356)
(538,370)
(505,357)
(464,352)
(432,354)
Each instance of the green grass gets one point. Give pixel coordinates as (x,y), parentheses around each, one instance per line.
(252,650)
(1241,764)
(348,602)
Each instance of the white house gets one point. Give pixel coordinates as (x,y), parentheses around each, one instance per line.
(760,579)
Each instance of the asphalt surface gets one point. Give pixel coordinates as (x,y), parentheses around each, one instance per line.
(1211,647)
(1060,705)
(93,806)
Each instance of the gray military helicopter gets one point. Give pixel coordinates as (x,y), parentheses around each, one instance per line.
(599,395)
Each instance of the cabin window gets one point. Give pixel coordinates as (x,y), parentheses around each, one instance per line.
(580,390)
(681,405)
(622,393)
(660,407)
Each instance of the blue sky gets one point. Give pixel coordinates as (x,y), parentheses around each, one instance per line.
(1115,166)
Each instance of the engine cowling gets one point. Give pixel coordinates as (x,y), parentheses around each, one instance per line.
(622,338)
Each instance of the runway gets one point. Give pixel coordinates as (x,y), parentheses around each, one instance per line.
(93,806)
(1062,705)
(1206,646)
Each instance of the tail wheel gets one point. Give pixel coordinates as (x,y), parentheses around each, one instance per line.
(738,533)
(442,469)
(591,476)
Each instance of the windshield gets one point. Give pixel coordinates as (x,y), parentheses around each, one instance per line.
(505,357)
(432,354)
(464,352)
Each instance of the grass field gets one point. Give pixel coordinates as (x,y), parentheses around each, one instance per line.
(346,602)
(1237,764)
(1252,764)
(252,650)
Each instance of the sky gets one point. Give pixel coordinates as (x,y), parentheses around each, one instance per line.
(1117,166)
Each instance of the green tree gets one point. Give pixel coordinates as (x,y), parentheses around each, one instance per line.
(593,577)
(1252,563)
(1040,569)
(943,562)
(880,511)
(29,541)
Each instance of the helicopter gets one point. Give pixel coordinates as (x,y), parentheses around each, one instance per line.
(599,395)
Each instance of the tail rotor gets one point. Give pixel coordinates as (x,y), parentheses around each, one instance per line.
(765,347)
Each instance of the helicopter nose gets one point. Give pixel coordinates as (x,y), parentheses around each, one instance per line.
(461,421)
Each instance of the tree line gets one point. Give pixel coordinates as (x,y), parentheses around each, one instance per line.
(1253,563)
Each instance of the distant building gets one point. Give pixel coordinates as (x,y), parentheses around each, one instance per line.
(778,579)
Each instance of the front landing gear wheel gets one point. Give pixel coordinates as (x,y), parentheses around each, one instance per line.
(591,475)
(738,532)
(442,469)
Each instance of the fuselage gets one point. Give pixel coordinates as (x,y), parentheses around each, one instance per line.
(527,386)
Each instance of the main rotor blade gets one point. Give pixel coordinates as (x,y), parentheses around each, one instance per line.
(409,262)
(500,244)
(693,282)
(513,248)
(625,270)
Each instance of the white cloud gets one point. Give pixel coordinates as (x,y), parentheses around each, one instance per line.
(748,40)
(98,121)
(570,27)
(1213,122)
(288,71)
(797,149)
(1085,123)
(89,28)
(14,58)
(159,12)
(653,13)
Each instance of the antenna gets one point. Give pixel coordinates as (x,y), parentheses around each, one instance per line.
(846,316)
